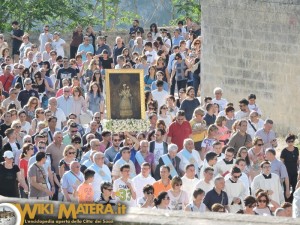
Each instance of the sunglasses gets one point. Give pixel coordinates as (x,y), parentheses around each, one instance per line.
(150,192)
(40,147)
(178,184)
(116,140)
(263,201)
(77,142)
(18,127)
(34,65)
(291,141)
(109,189)
(71,153)
(260,144)
(41,112)
(27,141)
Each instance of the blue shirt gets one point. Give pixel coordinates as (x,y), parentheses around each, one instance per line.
(132,156)
(85,48)
(213,197)
(176,41)
(66,104)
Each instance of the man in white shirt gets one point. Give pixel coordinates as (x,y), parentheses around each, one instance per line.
(57,112)
(224,166)
(189,181)
(188,155)
(222,102)
(150,53)
(160,95)
(102,173)
(269,182)
(142,179)
(206,184)
(244,111)
(235,190)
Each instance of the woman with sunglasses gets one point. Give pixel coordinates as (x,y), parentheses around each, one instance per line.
(147,201)
(88,73)
(178,198)
(27,152)
(25,74)
(256,155)
(243,154)
(250,203)
(290,157)
(162,201)
(164,115)
(69,156)
(17,126)
(262,207)
(42,83)
(39,117)
(30,108)
(33,68)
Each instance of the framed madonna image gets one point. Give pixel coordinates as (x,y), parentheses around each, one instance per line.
(125,94)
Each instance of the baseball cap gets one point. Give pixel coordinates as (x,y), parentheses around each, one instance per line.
(8,154)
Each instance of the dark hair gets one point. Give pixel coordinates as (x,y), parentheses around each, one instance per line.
(197,192)
(247,160)
(105,185)
(210,156)
(149,44)
(160,197)
(147,188)
(271,150)
(155,28)
(91,88)
(180,113)
(165,167)
(47,63)
(51,118)
(249,200)
(125,166)
(216,207)
(15,23)
(88,174)
(26,70)
(188,166)
(290,137)
(26,147)
(209,106)
(162,131)
(264,162)
(150,134)
(209,168)
(244,101)
(230,149)
(9,132)
(39,156)
(263,194)
(159,83)
(235,169)
(207,98)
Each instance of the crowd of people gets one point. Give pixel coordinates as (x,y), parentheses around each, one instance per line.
(195,156)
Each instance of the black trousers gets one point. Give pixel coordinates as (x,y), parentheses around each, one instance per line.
(73,51)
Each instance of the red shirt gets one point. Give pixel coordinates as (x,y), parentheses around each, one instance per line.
(6,81)
(23,164)
(179,132)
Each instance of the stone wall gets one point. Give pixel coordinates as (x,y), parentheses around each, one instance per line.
(254,47)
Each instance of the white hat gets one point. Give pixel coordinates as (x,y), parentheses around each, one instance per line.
(8,154)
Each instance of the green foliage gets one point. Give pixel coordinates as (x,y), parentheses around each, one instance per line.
(190,8)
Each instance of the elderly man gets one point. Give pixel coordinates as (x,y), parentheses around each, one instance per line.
(95,147)
(37,179)
(93,130)
(125,159)
(267,134)
(254,123)
(70,181)
(279,168)
(222,102)
(217,195)
(57,112)
(56,149)
(190,156)
(142,179)
(65,102)
(143,155)
(28,92)
(235,190)
(171,160)
(179,130)
(102,173)
(85,47)
(12,99)
(269,182)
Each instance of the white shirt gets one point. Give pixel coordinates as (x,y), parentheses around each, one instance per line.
(139,182)
(61,117)
(259,125)
(160,97)
(158,151)
(205,186)
(98,179)
(221,102)
(56,45)
(255,108)
(123,193)
(26,127)
(244,179)
(235,190)
(151,56)
(184,161)
(188,185)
